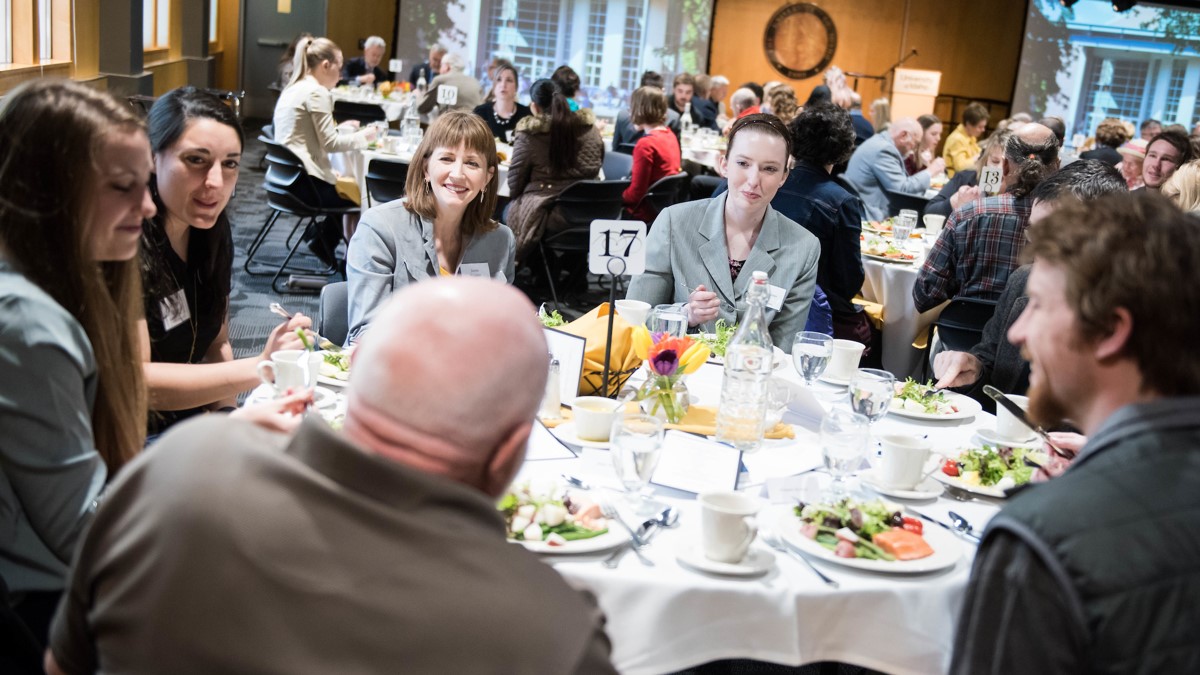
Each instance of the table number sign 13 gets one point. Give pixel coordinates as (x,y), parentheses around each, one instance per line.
(990,179)
(617,247)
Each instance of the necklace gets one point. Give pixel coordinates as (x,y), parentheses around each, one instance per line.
(502,121)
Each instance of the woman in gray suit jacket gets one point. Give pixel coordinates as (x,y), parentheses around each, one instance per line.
(702,253)
(441,227)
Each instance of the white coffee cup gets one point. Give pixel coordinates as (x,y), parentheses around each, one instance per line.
(903,461)
(1009,427)
(294,369)
(727,525)
(633,311)
(843,363)
(933,224)
(594,417)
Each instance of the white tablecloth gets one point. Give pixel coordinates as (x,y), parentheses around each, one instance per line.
(891,285)
(669,617)
(393,107)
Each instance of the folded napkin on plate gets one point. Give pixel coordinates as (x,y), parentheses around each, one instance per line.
(623,362)
(702,419)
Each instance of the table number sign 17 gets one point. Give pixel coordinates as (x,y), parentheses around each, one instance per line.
(617,247)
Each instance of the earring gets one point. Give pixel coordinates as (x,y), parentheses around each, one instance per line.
(481,193)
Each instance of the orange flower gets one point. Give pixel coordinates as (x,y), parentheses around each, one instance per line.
(678,344)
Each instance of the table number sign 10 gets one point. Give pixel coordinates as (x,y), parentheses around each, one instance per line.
(617,247)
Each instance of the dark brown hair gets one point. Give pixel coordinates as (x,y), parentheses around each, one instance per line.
(53,134)
(974,113)
(450,130)
(766,123)
(563,142)
(567,80)
(648,105)
(1135,251)
(1111,132)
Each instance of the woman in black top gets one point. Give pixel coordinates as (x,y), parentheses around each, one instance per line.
(503,112)
(187,263)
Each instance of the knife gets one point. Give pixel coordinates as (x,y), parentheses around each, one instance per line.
(1016,411)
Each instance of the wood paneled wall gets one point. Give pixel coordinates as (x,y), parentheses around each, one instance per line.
(349,21)
(976,45)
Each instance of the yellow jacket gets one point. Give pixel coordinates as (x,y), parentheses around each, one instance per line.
(960,151)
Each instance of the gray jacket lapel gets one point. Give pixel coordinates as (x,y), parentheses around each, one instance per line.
(760,256)
(419,269)
(713,251)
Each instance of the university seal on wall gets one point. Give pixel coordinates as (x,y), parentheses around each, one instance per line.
(800,40)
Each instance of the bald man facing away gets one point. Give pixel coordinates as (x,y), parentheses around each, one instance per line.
(877,166)
(379,549)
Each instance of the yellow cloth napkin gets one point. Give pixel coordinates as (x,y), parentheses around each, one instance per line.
(347,188)
(700,419)
(874,311)
(623,362)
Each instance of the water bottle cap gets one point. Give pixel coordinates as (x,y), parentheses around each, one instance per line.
(759,277)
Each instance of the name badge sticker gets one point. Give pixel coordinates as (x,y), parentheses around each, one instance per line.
(775,297)
(174,310)
(474,270)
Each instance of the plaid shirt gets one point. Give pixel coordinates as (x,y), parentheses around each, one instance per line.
(976,251)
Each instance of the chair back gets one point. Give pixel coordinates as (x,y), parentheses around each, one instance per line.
(580,204)
(666,191)
(898,201)
(960,325)
(617,165)
(333,321)
(385,180)
(289,187)
(357,110)
(625,148)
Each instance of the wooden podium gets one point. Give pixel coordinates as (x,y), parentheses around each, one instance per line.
(914,92)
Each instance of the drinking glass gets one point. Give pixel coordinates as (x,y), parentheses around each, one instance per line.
(903,227)
(844,437)
(670,319)
(635,444)
(871,392)
(811,352)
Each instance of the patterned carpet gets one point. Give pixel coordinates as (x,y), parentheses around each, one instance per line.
(251,321)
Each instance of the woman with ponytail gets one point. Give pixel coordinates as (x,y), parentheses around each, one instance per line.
(73,194)
(553,148)
(304,123)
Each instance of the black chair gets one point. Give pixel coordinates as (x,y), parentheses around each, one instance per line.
(666,191)
(625,148)
(385,180)
(333,321)
(289,191)
(357,110)
(960,325)
(617,166)
(579,205)
(897,201)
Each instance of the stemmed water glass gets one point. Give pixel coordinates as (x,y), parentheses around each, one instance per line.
(811,352)
(635,444)
(844,437)
(871,392)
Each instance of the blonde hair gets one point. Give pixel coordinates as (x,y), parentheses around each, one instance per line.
(310,52)
(1183,187)
(54,134)
(449,131)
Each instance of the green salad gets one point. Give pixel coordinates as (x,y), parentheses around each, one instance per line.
(551,319)
(1002,467)
(549,515)
(916,397)
(336,365)
(864,519)
(718,341)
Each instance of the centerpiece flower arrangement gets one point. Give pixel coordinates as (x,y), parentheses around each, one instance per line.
(667,359)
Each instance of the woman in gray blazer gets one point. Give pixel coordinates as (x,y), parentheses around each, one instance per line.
(701,253)
(441,227)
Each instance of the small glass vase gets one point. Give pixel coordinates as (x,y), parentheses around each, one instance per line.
(663,398)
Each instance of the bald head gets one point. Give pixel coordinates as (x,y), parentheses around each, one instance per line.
(448,376)
(1036,134)
(906,134)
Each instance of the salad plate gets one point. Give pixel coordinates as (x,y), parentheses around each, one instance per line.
(547,517)
(989,470)
(335,369)
(946,549)
(611,539)
(913,400)
(928,489)
(886,259)
(565,432)
(991,437)
(757,561)
(982,490)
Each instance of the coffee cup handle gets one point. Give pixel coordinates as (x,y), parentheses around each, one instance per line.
(751,533)
(263,368)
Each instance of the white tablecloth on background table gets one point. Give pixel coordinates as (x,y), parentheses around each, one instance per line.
(669,617)
(891,285)
(393,107)
(354,163)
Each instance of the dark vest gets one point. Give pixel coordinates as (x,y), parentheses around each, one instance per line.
(1122,529)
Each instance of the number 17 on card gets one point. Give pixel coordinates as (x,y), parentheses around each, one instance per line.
(617,247)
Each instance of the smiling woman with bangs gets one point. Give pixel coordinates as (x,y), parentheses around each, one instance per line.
(441,227)
(700,254)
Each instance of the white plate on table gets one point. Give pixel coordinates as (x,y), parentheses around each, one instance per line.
(324,398)
(333,382)
(603,542)
(947,550)
(781,358)
(982,490)
(757,561)
(928,489)
(565,432)
(990,437)
(880,258)
(967,408)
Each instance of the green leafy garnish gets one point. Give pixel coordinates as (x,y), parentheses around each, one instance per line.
(552,319)
(720,339)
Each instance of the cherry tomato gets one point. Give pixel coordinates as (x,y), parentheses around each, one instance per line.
(913,525)
(950,468)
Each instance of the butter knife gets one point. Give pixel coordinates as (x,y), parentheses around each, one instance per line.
(1016,411)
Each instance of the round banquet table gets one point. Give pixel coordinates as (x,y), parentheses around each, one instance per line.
(393,106)
(891,285)
(669,617)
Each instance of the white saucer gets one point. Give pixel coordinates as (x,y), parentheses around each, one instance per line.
(757,561)
(990,437)
(324,398)
(565,432)
(929,489)
(834,380)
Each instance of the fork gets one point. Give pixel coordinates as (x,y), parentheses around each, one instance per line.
(776,543)
(635,542)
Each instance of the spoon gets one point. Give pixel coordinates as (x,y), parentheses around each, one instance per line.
(576,482)
(962,525)
(776,543)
